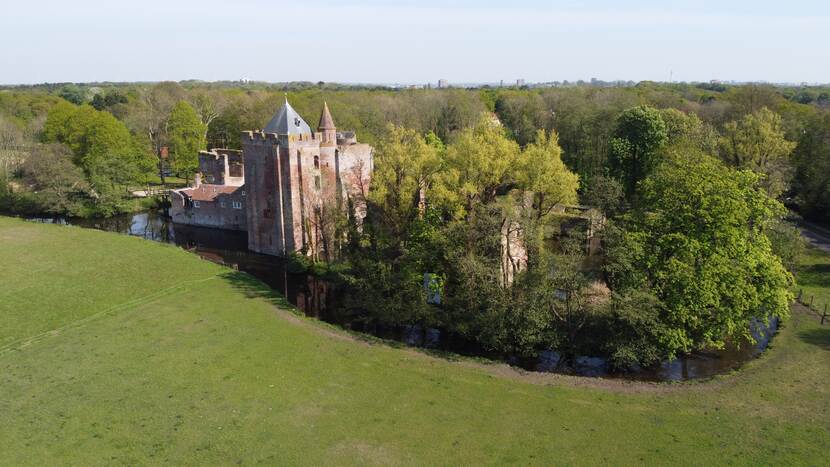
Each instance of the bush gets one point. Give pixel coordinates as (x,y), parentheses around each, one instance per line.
(633,330)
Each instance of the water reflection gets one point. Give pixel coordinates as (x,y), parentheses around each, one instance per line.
(315,297)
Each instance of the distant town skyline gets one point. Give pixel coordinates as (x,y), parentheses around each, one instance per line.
(408,42)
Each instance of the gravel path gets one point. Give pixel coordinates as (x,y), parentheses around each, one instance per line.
(818,236)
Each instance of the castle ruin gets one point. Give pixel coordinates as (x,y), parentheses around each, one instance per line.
(285,188)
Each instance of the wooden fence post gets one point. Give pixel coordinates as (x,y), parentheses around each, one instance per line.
(811,301)
(800,294)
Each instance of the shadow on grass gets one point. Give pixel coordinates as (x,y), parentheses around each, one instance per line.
(254,288)
(818,337)
(817,275)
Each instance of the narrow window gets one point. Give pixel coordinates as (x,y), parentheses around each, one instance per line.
(316,162)
(317,182)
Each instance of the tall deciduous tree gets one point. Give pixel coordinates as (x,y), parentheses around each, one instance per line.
(187,137)
(405,169)
(151,119)
(635,149)
(56,181)
(812,167)
(480,161)
(757,142)
(542,172)
(687,130)
(208,104)
(700,245)
(101,145)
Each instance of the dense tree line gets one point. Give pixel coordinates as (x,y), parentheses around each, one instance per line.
(694,248)
(582,116)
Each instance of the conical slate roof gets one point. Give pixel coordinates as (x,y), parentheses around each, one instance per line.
(326,122)
(287,122)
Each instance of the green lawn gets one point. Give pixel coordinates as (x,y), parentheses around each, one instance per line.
(115,350)
(814,278)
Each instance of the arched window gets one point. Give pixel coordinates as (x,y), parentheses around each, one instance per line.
(316,162)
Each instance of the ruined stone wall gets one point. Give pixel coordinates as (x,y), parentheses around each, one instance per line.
(354,167)
(212,167)
(222,167)
(227,211)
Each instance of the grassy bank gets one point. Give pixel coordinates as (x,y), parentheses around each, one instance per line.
(115,350)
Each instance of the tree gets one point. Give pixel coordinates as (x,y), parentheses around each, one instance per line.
(449,122)
(73,93)
(523,113)
(632,329)
(56,181)
(542,173)
(101,145)
(605,194)
(787,243)
(12,152)
(687,130)
(208,104)
(635,148)
(152,116)
(405,170)
(700,244)
(757,143)
(811,159)
(567,292)
(478,304)
(187,138)
(480,162)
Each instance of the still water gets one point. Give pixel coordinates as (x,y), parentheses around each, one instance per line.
(317,298)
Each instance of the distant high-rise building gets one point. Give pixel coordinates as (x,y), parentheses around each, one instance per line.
(520,82)
(501,83)
(442,83)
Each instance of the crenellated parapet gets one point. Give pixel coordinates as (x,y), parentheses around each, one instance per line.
(259,135)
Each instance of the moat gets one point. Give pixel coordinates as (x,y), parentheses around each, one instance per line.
(317,298)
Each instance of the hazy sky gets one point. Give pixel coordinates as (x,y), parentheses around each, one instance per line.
(413,41)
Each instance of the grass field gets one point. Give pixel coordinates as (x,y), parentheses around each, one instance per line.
(115,350)
(814,278)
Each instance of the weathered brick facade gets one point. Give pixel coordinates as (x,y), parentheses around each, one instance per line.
(292,181)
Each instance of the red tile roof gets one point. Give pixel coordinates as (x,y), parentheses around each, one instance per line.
(207,192)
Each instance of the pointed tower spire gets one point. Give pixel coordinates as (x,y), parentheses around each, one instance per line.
(287,122)
(326,122)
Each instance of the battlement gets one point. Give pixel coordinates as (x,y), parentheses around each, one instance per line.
(259,135)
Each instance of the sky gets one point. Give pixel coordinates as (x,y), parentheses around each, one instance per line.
(408,41)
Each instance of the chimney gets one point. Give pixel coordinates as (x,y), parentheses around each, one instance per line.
(197,180)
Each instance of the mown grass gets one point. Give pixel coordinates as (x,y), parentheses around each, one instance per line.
(120,351)
(814,278)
